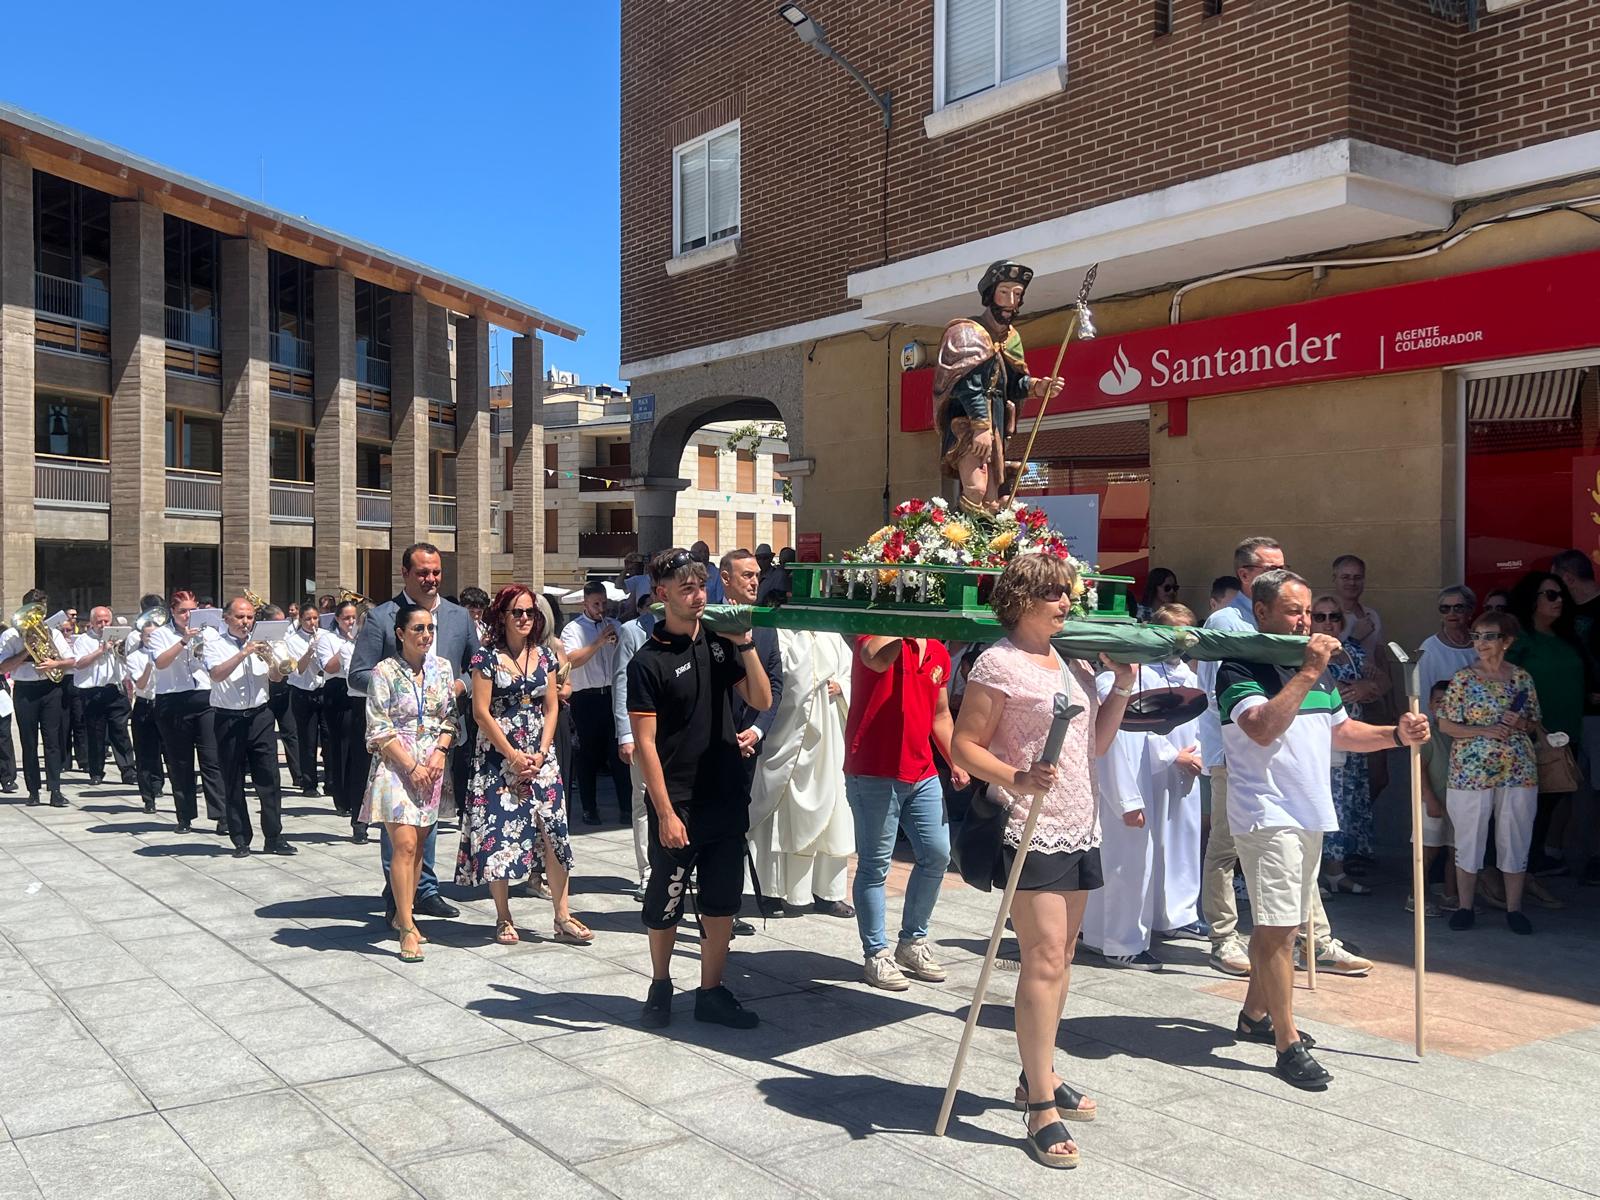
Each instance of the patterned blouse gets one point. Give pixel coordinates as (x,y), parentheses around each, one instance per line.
(1483,762)
(1069,818)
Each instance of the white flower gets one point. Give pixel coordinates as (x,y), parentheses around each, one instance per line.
(940,502)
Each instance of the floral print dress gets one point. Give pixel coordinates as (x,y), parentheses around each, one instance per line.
(500,830)
(1477,763)
(419,716)
(1352,789)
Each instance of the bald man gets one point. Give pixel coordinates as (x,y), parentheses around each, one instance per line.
(98,673)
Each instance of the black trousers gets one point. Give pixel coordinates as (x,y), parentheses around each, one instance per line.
(357,758)
(278,701)
(305,717)
(105,718)
(38,705)
(247,739)
(187,732)
(8,760)
(333,699)
(74,737)
(597,749)
(147,750)
(461,755)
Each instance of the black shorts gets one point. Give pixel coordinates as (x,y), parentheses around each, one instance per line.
(718,866)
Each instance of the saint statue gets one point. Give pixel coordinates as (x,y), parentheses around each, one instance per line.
(978,380)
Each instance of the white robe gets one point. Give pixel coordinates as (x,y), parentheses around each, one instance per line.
(1152,875)
(800,824)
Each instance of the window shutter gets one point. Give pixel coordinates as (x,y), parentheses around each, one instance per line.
(1030,35)
(692,198)
(724,185)
(968,47)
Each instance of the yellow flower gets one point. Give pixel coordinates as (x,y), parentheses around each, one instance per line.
(885,578)
(957,532)
(1001,543)
(880,535)
(1078,589)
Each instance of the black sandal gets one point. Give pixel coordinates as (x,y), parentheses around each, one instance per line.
(1297,1068)
(1053,1134)
(1067,1101)
(1263,1032)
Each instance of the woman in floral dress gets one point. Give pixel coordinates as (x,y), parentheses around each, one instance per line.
(1352,787)
(515,803)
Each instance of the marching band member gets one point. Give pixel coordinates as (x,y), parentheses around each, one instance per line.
(98,676)
(183,713)
(241,672)
(344,717)
(305,697)
(38,701)
(139,678)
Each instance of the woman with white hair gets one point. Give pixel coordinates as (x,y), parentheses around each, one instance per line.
(1450,650)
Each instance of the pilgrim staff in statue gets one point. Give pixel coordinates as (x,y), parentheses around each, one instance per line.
(978,382)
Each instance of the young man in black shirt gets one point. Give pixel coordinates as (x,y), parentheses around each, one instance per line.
(680,689)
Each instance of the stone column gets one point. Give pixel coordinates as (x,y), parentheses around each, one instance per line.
(246,422)
(411,377)
(138,404)
(655,505)
(474,533)
(527,457)
(16,381)
(333,491)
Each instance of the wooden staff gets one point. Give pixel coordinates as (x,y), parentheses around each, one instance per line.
(1419,882)
(1063,713)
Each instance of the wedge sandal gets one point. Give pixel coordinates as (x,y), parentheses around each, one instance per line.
(1053,1134)
(1067,1101)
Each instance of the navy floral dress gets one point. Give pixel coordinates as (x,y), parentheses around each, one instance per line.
(500,830)
(1352,790)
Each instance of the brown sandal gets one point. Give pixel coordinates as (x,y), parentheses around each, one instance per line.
(506,933)
(570,931)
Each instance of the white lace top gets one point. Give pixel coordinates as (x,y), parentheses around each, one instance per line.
(1069,819)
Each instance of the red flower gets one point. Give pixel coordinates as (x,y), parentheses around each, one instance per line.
(938,516)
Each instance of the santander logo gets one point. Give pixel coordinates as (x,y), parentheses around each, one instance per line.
(1122,378)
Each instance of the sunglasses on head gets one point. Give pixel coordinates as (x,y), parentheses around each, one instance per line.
(523,614)
(1485,635)
(1332,618)
(1455,608)
(674,564)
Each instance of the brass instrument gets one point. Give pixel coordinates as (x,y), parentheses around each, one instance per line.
(281,658)
(257,602)
(28,621)
(346,596)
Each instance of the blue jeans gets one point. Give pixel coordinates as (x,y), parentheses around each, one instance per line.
(879,806)
(427,882)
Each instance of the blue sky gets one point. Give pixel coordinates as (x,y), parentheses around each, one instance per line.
(477,138)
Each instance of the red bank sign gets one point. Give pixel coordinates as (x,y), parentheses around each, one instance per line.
(1532,308)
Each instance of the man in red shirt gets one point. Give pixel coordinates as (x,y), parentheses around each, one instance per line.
(900,707)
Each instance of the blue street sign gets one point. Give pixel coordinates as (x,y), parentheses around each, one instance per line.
(644,408)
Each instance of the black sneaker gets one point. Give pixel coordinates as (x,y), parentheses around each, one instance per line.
(58,801)
(1142,961)
(185,827)
(280,845)
(33,800)
(1262,1031)
(718,1007)
(658,1005)
(1297,1068)
(241,851)
(771,906)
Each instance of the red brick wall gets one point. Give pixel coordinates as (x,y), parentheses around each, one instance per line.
(1140,112)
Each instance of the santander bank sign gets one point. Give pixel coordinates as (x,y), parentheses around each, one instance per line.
(1538,307)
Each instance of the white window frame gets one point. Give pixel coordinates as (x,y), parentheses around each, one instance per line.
(1000,96)
(724,247)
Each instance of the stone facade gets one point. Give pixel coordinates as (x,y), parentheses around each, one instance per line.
(334,388)
(246,421)
(16,381)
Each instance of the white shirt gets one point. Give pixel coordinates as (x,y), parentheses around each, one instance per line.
(246,686)
(105,671)
(1440,660)
(1286,783)
(185,673)
(296,642)
(138,659)
(581,632)
(331,642)
(11,645)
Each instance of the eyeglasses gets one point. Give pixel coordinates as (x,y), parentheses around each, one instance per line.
(420,627)
(1549,594)
(1485,635)
(1455,608)
(1333,618)
(523,614)
(1168,587)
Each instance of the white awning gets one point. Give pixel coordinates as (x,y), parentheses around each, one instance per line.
(1535,396)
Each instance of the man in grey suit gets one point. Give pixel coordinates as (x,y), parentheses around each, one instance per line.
(455,641)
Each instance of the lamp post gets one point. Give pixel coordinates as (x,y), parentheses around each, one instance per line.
(811,32)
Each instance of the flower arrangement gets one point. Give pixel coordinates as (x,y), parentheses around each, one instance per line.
(928,532)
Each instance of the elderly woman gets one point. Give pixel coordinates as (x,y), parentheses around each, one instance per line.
(1005,717)
(1352,787)
(1491,710)
(1447,651)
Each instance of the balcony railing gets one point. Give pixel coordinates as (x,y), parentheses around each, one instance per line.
(193,493)
(607,545)
(78,483)
(198,329)
(87,303)
(442,513)
(372,508)
(290,351)
(372,372)
(597,479)
(291,503)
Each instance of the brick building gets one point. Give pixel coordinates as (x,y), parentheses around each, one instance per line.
(199,391)
(1222,160)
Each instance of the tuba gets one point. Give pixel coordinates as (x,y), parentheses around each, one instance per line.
(257,601)
(346,596)
(36,640)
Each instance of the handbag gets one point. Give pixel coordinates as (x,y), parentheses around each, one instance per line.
(1558,766)
(978,848)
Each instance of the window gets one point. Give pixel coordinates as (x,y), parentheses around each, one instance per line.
(441,474)
(289,292)
(507,527)
(777,479)
(745,475)
(372,322)
(508,476)
(193,256)
(69,426)
(981,44)
(552,530)
(290,454)
(372,466)
(552,456)
(707,530)
(707,481)
(782,539)
(744,530)
(72,243)
(1164,17)
(193,443)
(705,190)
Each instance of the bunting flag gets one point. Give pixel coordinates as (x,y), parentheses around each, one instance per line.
(553,473)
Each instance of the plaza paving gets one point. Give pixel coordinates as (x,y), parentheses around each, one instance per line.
(181,1024)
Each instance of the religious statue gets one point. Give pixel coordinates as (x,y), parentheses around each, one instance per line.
(978,380)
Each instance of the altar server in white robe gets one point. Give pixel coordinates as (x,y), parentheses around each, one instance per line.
(1150,829)
(800,824)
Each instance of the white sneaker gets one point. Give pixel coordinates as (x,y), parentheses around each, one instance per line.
(1332,958)
(1231,956)
(915,961)
(880,972)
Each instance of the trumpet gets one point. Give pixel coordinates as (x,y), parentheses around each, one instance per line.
(28,621)
(280,658)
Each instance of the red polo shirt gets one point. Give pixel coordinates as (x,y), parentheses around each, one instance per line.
(890,730)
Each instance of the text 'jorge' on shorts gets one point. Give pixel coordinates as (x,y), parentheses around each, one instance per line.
(717,865)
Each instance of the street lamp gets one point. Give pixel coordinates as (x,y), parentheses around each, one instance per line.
(812,34)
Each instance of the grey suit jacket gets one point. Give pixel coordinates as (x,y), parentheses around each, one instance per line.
(634,634)
(455,640)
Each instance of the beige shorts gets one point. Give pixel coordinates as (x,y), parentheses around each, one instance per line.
(1280,872)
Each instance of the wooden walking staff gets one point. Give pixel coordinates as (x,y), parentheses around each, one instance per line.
(1419,895)
(1081,322)
(1063,712)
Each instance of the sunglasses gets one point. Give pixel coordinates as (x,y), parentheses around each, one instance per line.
(1455,608)
(1484,635)
(1333,618)
(1052,594)
(1494,607)
(1168,587)
(420,627)
(523,614)
(1549,594)
(673,565)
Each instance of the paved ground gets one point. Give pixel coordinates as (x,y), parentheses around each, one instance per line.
(180,1024)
